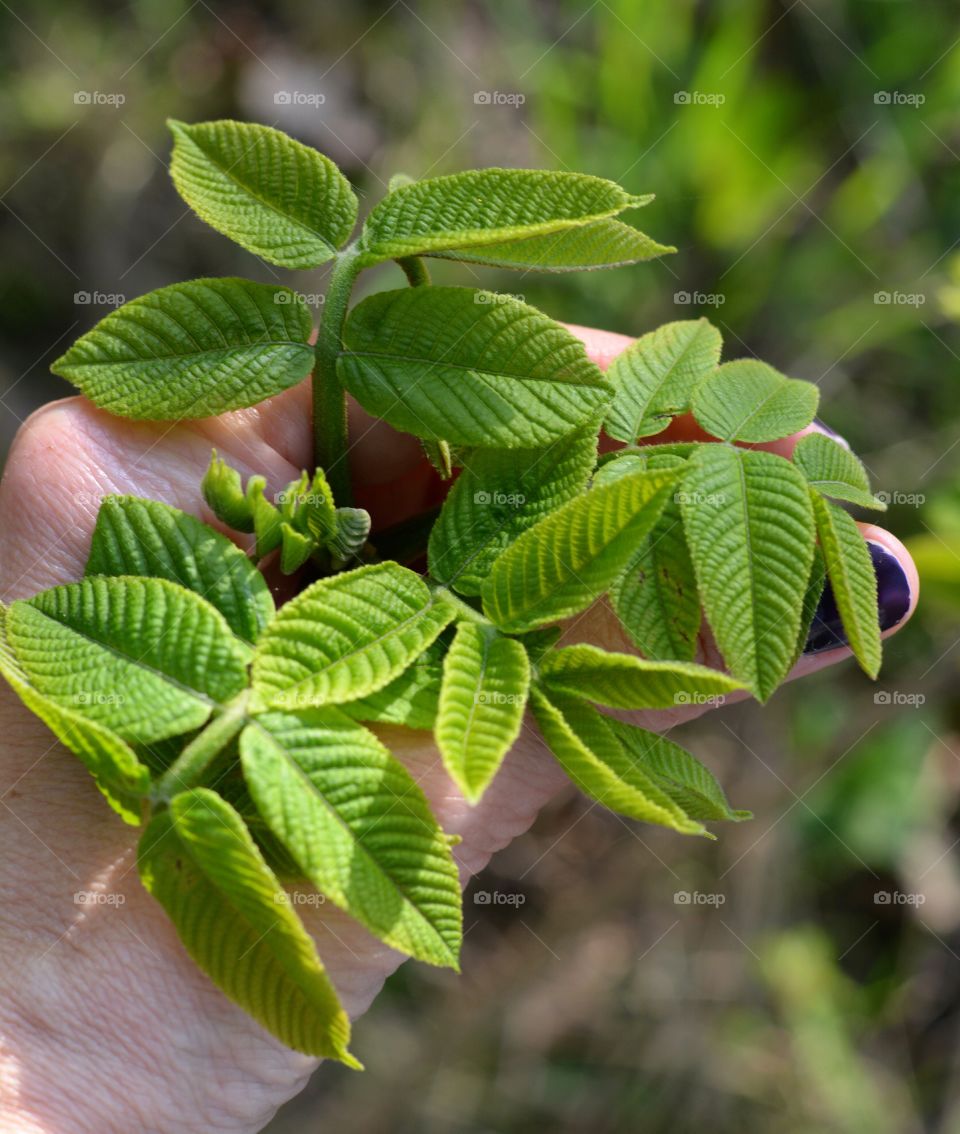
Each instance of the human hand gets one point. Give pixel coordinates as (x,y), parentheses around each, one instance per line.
(105,1023)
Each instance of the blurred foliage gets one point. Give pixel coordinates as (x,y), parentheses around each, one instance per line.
(806,158)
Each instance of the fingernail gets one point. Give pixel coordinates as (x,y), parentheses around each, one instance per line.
(893,602)
(824,428)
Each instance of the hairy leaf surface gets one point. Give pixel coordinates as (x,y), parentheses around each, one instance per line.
(499,494)
(623,681)
(834,471)
(852,579)
(193,349)
(570,558)
(486,206)
(655,376)
(486,678)
(201,864)
(274,196)
(145,537)
(747,400)
(749,525)
(411,699)
(468,367)
(346,637)
(359,827)
(143,657)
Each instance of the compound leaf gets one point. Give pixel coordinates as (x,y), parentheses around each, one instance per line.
(747,400)
(852,580)
(499,494)
(358,826)
(201,864)
(655,376)
(145,537)
(469,367)
(346,637)
(411,699)
(834,471)
(623,681)
(486,206)
(750,530)
(145,658)
(193,349)
(588,750)
(486,678)
(570,558)
(274,196)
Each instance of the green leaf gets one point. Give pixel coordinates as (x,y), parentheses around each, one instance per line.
(144,537)
(655,376)
(351,531)
(145,658)
(486,206)
(747,400)
(623,681)
(274,196)
(201,864)
(359,827)
(119,774)
(499,494)
(852,579)
(589,751)
(600,244)
(678,774)
(411,700)
(570,558)
(811,601)
(223,491)
(656,598)
(749,526)
(469,367)
(346,637)
(486,678)
(834,471)
(193,349)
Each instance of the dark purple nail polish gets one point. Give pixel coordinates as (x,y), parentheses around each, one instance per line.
(822,425)
(893,602)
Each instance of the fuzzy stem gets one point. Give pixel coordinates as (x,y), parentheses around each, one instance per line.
(191,765)
(329,397)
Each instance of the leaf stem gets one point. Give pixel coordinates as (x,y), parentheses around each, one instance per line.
(465,612)
(188,769)
(415,270)
(329,396)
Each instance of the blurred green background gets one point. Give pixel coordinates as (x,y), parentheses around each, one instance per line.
(806,161)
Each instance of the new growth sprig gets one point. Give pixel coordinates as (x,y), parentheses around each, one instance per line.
(244,738)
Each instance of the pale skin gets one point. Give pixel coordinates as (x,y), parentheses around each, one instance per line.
(106,1026)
